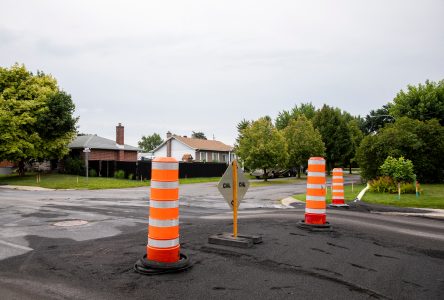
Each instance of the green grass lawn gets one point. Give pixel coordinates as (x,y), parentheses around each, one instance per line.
(62,181)
(431,197)
(275,181)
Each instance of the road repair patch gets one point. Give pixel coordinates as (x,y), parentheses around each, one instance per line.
(71,223)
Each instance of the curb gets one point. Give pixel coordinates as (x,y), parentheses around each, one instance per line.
(290,200)
(24,188)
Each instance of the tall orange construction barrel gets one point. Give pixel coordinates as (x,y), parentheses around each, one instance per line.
(337,188)
(315,205)
(163,229)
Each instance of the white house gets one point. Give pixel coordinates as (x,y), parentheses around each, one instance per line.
(185,148)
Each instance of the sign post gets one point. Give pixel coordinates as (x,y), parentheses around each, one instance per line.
(233,185)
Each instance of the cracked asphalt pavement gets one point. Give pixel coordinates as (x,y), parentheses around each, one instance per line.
(367,255)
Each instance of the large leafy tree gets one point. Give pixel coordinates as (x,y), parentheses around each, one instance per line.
(421,102)
(262,146)
(303,141)
(356,136)
(420,142)
(304,109)
(36,116)
(150,142)
(377,119)
(335,134)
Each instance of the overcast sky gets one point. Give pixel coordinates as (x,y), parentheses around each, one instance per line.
(183,65)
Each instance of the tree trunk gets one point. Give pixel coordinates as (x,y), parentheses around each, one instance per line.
(265,175)
(21,168)
(299,173)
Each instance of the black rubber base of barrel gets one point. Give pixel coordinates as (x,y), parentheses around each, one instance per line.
(315,227)
(149,267)
(339,205)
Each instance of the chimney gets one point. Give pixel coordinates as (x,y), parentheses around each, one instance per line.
(120,134)
(169,145)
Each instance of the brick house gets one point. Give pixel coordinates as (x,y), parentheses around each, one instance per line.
(103,148)
(184,148)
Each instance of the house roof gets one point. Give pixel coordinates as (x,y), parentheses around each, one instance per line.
(199,144)
(97,142)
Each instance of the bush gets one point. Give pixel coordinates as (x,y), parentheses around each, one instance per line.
(92,173)
(385,184)
(74,166)
(400,170)
(119,174)
(130,176)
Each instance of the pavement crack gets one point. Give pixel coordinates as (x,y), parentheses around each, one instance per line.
(362,267)
(412,283)
(320,250)
(385,256)
(328,271)
(298,234)
(337,246)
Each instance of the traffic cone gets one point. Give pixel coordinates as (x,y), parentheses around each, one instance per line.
(337,188)
(163,248)
(315,205)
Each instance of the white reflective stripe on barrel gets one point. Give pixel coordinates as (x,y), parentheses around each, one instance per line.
(164,184)
(338,197)
(316,162)
(165,166)
(315,210)
(337,171)
(163,223)
(164,204)
(315,198)
(316,186)
(316,174)
(337,177)
(163,243)
(338,184)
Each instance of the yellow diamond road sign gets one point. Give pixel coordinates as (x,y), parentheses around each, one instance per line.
(225,185)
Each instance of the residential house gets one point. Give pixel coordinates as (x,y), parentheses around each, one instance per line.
(103,148)
(184,148)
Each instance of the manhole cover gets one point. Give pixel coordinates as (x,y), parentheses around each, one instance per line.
(71,223)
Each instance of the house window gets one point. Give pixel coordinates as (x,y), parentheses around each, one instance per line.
(203,156)
(215,156)
(224,158)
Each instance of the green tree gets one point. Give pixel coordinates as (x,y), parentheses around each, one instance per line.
(150,142)
(303,142)
(36,119)
(198,135)
(356,137)
(262,146)
(335,134)
(420,142)
(304,109)
(377,119)
(399,169)
(422,102)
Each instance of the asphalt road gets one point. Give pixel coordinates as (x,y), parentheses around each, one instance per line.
(367,255)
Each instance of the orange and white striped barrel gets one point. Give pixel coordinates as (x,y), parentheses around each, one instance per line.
(337,187)
(163,230)
(315,206)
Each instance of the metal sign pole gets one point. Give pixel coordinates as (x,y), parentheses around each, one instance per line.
(235,184)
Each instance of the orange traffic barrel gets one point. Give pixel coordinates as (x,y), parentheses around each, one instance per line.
(337,187)
(315,205)
(163,248)
(163,230)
